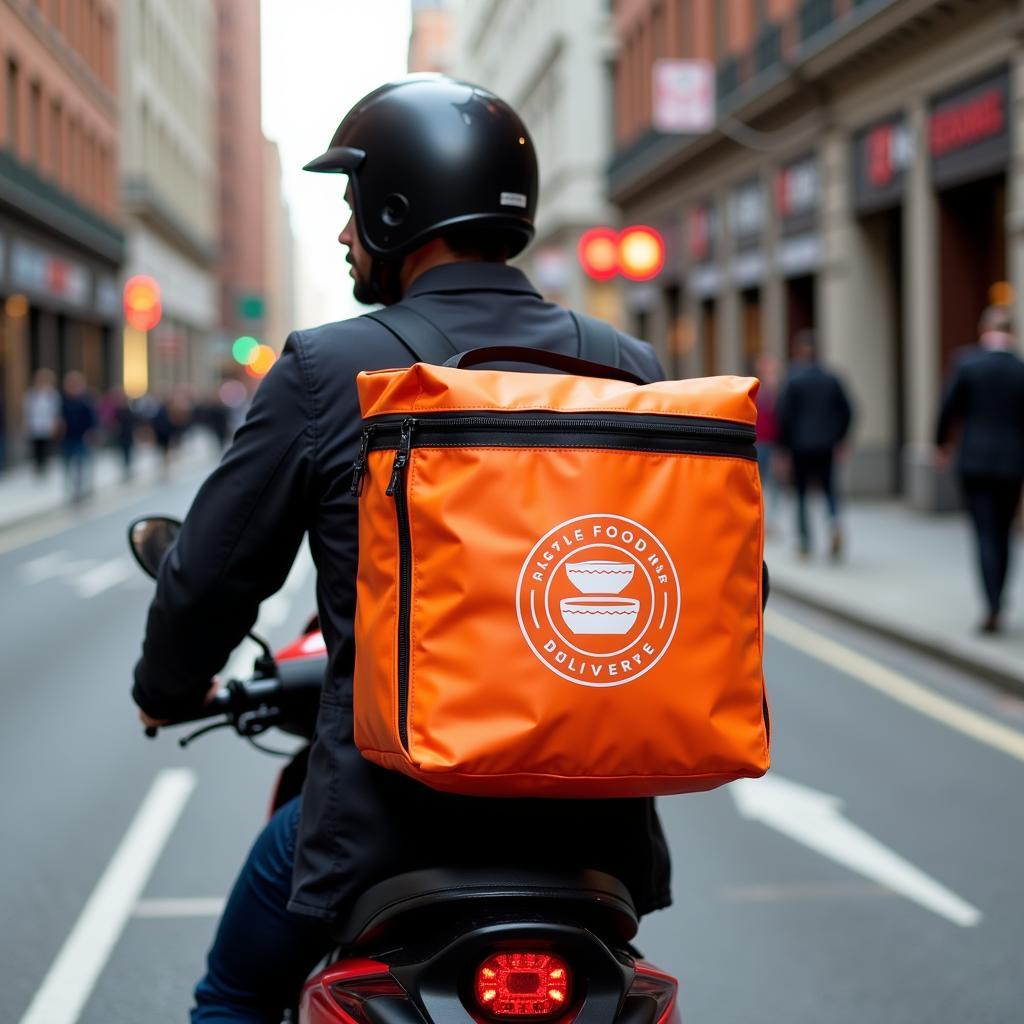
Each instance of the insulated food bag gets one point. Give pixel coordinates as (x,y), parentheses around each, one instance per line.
(560,579)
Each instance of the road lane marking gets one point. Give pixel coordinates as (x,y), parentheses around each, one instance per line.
(73,975)
(104,576)
(53,565)
(793,892)
(896,685)
(181,907)
(815,820)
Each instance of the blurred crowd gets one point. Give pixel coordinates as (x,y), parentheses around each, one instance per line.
(72,423)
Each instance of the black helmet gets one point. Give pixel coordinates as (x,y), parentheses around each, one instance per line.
(427,154)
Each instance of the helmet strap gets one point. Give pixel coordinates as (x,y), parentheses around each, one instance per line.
(385,280)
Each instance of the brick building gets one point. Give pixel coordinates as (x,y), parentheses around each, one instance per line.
(241,172)
(858,180)
(60,246)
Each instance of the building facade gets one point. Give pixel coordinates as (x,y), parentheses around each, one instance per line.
(241,171)
(860,181)
(551,63)
(169,178)
(279,273)
(430,38)
(60,245)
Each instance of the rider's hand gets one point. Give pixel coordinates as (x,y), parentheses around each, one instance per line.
(156,723)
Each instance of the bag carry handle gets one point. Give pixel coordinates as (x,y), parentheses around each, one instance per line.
(540,357)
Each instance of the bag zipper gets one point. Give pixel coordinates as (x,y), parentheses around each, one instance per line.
(396,489)
(695,436)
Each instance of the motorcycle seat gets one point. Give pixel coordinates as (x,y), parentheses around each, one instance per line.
(592,898)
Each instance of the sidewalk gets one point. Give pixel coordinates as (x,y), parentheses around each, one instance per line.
(24,496)
(909,575)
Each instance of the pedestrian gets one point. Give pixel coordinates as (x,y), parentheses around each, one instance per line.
(431,231)
(42,417)
(79,421)
(984,398)
(768,435)
(814,415)
(121,426)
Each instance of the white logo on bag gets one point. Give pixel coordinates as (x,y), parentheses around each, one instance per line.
(598,600)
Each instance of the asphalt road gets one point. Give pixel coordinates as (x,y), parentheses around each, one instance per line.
(874,876)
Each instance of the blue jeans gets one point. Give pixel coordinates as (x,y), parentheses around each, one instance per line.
(262,953)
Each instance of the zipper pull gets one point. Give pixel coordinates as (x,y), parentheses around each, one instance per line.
(401,455)
(359,467)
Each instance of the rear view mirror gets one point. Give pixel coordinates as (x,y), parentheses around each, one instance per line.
(150,538)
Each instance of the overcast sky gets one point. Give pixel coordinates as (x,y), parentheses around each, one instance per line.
(319,57)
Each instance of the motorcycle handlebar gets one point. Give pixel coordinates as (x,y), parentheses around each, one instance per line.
(295,685)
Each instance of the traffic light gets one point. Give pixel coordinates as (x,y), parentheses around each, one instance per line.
(637,253)
(641,253)
(598,252)
(142,308)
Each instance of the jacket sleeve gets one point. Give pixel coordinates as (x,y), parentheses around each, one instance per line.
(844,410)
(951,409)
(236,547)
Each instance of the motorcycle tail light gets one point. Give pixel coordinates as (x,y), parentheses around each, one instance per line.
(523,984)
(650,984)
(339,995)
(352,995)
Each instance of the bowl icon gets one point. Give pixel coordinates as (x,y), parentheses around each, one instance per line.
(600,577)
(600,616)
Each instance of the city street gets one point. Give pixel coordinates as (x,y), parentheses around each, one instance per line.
(873,876)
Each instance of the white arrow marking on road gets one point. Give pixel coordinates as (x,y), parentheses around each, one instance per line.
(815,819)
(104,576)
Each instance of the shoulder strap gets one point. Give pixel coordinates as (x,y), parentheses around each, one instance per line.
(599,341)
(427,342)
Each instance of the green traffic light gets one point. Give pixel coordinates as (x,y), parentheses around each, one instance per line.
(243,349)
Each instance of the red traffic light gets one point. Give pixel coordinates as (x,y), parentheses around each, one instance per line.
(598,252)
(142,309)
(641,253)
(637,253)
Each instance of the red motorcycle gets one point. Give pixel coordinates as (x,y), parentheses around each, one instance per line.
(490,945)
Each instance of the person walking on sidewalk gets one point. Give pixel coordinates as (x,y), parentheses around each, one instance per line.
(815,415)
(79,422)
(42,417)
(984,397)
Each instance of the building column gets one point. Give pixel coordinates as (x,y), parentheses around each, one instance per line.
(854,311)
(925,486)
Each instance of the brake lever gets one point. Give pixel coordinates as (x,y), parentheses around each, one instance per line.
(212,727)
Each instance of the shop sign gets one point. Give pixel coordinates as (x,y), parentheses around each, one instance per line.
(748,268)
(705,281)
(798,194)
(684,96)
(35,270)
(747,212)
(799,255)
(882,153)
(969,131)
(701,227)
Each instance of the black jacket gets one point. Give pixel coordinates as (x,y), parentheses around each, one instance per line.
(813,409)
(985,397)
(287,474)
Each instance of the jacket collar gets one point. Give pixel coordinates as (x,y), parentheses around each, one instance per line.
(471,277)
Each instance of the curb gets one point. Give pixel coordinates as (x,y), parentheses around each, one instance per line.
(118,491)
(937,645)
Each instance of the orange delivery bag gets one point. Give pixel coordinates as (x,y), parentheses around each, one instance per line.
(560,579)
